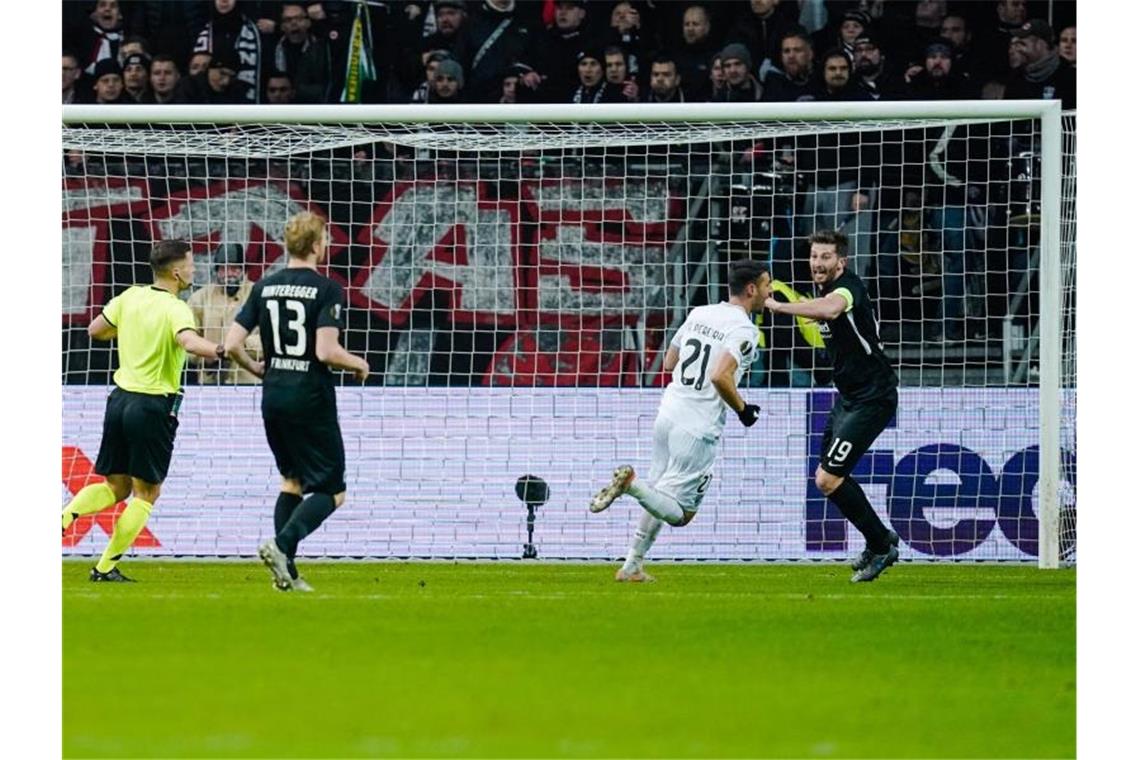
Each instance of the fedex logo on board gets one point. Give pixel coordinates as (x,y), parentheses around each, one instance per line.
(942,498)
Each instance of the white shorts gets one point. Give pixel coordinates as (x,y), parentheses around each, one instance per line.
(682,463)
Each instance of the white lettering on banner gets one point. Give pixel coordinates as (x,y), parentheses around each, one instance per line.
(251,213)
(638,201)
(431,471)
(443,236)
(92,196)
(78,257)
(628,279)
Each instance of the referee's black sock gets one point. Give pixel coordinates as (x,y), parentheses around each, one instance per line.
(853,503)
(287,503)
(306,518)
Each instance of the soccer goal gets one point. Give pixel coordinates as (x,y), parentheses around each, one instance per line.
(514,274)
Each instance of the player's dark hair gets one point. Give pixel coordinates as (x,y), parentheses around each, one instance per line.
(742,272)
(831,237)
(166,252)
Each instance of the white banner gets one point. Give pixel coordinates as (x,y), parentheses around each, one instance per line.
(432,473)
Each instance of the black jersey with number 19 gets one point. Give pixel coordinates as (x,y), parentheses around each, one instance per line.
(288,307)
(862,370)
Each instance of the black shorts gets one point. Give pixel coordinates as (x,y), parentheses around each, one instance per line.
(310,451)
(851,428)
(138,435)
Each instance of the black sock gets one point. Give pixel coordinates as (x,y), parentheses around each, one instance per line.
(306,518)
(853,503)
(287,504)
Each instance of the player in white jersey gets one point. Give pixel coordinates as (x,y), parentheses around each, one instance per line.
(707,357)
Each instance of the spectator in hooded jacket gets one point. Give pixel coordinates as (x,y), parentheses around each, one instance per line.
(872,72)
(936,78)
(497,38)
(217,85)
(447,83)
(853,25)
(739,84)
(837,83)
(554,57)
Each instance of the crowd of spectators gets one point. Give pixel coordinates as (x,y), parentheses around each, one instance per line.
(508,51)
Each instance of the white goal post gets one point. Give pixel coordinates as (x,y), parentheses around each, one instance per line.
(563,193)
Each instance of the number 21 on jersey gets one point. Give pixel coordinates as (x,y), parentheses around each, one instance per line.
(691,375)
(293,344)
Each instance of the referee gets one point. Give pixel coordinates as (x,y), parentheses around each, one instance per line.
(154,330)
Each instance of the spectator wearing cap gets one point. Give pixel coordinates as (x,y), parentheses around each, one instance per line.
(303,56)
(1067,45)
(217,85)
(852,25)
(872,73)
(107,82)
(664,81)
(279,89)
(694,57)
(215,305)
(936,79)
(165,79)
(592,85)
(740,86)
(447,82)
(617,73)
(553,56)
(837,82)
(70,77)
(134,45)
(232,35)
(431,60)
(1043,74)
(792,81)
(760,27)
(496,39)
(136,77)
(98,36)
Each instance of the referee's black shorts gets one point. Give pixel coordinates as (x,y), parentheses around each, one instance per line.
(138,435)
(851,428)
(310,451)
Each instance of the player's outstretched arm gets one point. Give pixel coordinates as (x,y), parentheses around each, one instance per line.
(101,329)
(332,353)
(235,350)
(193,343)
(724,380)
(824,309)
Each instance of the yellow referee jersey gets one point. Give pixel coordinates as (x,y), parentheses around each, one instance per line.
(148,319)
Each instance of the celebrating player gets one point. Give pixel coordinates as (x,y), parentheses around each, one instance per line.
(300,315)
(868,395)
(154,330)
(707,357)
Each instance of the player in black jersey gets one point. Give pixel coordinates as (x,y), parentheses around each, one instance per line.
(868,395)
(300,315)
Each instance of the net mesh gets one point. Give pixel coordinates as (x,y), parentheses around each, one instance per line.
(514,288)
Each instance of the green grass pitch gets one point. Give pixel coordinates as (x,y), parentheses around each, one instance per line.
(557,660)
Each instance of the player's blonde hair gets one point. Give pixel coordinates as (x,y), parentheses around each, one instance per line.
(302,232)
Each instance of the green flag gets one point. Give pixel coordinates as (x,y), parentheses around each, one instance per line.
(360,68)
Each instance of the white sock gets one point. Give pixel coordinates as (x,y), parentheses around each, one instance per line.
(656,503)
(647,529)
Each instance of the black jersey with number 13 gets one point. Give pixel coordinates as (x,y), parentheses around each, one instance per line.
(862,370)
(288,307)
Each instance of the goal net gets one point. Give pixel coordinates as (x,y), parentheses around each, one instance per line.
(513,277)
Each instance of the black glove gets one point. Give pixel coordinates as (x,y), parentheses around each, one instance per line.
(748,415)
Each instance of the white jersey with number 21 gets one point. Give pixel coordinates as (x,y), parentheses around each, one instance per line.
(690,400)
